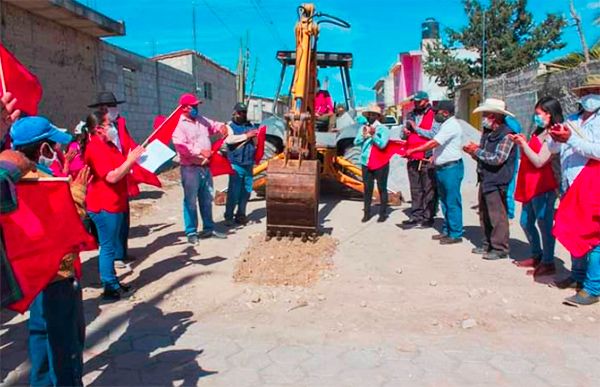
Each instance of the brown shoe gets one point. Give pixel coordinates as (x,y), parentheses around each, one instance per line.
(544,269)
(438,237)
(567,283)
(530,262)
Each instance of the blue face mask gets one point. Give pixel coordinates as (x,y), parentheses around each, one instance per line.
(194,112)
(539,121)
(590,102)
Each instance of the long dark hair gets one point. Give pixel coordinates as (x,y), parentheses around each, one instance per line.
(91,122)
(551,106)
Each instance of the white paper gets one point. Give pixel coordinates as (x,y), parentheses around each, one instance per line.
(156,155)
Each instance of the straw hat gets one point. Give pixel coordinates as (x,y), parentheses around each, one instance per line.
(373,108)
(493,105)
(591,82)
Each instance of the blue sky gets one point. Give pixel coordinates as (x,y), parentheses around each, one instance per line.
(380,29)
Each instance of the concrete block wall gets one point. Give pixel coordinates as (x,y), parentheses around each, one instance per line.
(223,89)
(63,59)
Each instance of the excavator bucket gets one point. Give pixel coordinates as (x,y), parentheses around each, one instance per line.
(292,198)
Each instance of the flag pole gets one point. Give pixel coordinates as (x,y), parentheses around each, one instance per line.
(44,179)
(145,143)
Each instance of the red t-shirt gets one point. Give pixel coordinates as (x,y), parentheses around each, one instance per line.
(102,158)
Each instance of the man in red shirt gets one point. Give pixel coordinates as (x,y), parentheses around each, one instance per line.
(324,108)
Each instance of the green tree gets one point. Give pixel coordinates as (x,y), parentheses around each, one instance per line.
(574,59)
(513,40)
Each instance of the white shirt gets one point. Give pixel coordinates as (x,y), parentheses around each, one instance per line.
(575,153)
(450,139)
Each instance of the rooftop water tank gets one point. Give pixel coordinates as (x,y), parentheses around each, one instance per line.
(430,29)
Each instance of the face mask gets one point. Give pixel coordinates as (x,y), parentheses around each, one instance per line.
(590,102)
(43,160)
(194,112)
(113,113)
(488,123)
(439,117)
(112,133)
(539,121)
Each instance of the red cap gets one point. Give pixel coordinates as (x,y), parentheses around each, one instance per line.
(188,99)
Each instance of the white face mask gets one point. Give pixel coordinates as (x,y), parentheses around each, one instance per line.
(113,113)
(43,160)
(112,134)
(487,123)
(590,102)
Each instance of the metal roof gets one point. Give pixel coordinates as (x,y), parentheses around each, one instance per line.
(324,59)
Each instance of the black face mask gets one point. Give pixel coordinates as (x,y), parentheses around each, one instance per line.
(439,117)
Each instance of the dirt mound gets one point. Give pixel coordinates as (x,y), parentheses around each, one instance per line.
(285,262)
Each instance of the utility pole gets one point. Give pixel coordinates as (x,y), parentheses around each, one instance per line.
(252,82)
(577,20)
(241,74)
(483,55)
(194,25)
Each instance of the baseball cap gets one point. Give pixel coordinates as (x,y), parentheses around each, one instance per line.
(444,105)
(188,99)
(240,107)
(420,95)
(29,130)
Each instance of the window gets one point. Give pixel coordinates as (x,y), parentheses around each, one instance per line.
(207,91)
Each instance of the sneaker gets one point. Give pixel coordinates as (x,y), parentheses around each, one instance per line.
(382,218)
(230,223)
(450,241)
(494,255)
(111,295)
(212,234)
(544,269)
(581,298)
(479,250)
(366,217)
(242,220)
(426,224)
(119,264)
(567,283)
(438,237)
(410,222)
(530,262)
(126,288)
(193,239)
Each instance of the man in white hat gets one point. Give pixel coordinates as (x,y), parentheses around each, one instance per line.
(495,157)
(373,133)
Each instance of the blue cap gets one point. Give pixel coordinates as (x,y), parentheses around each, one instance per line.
(29,130)
(420,95)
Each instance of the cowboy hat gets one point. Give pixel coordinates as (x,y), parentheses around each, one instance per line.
(493,105)
(105,98)
(373,108)
(591,82)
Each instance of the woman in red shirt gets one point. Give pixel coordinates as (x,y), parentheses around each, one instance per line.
(536,189)
(107,199)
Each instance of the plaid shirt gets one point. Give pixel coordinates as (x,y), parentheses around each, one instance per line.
(10,291)
(500,154)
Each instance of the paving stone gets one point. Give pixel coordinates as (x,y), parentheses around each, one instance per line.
(282,373)
(361,358)
(151,342)
(478,373)
(132,360)
(236,377)
(470,354)
(400,370)
(561,376)
(250,358)
(361,377)
(289,354)
(435,361)
(528,380)
(118,377)
(512,365)
(323,362)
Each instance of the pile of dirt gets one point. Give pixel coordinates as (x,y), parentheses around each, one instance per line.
(285,262)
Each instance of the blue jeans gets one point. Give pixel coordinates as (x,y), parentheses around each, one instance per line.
(124,235)
(510,193)
(587,270)
(540,209)
(57,335)
(197,188)
(449,180)
(109,226)
(238,191)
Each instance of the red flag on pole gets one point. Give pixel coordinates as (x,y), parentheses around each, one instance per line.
(39,233)
(219,164)
(577,220)
(20,82)
(164,132)
(260,144)
(380,157)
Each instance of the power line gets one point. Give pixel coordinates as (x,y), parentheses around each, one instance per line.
(267,20)
(216,15)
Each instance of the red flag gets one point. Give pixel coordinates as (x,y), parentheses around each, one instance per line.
(138,174)
(164,132)
(380,157)
(22,84)
(39,233)
(577,220)
(260,144)
(219,164)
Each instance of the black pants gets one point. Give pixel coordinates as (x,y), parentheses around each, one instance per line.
(369,177)
(421,176)
(493,217)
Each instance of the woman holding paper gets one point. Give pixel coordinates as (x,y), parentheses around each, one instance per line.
(107,200)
